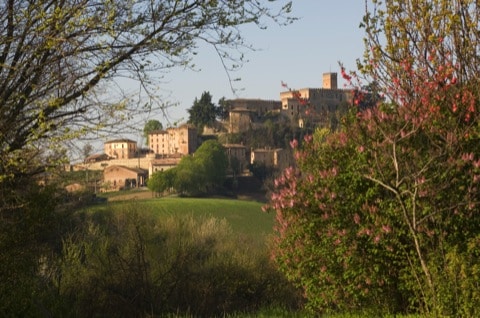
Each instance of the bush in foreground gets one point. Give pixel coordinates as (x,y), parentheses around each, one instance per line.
(124,263)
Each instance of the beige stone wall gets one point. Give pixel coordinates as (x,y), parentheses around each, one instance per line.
(174,140)
(278,158)
(116,177)
(238,152)
(239,121)
(121,149)
(330,80)
(142,163)
(265,156)
(163,164)
(259,106)
(321,102)
(158,142)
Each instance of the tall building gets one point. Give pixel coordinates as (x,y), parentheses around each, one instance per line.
(329,81)
(181,140)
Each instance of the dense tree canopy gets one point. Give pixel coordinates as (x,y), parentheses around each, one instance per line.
(223,109)
(204,172)
(382,215)
(203,111)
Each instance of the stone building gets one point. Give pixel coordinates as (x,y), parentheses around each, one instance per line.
(237,158)
(318,106)
(257,106)
(239,120)
(120,149)
(243,111)
(162,164)
(175,140)
(121,177)
(276,158)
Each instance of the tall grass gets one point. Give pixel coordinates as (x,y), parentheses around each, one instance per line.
(138,260)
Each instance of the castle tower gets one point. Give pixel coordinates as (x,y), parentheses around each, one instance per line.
(330,80)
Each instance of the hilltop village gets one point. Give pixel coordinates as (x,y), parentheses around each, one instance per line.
(126,165)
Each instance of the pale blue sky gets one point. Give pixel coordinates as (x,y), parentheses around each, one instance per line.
(327,32)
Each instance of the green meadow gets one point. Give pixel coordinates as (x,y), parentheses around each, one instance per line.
(183,257)
(244,217)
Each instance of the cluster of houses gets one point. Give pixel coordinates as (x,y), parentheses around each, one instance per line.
(125,164)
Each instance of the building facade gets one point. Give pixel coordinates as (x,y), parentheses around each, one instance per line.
(120,149)
(274,158)
(258,106)
(181,140)
(243,110)
(121,177)
(317,105)
(237,158)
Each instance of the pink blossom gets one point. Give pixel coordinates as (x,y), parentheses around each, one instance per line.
(356,218)
(294,143)
(476,164)
(467,156)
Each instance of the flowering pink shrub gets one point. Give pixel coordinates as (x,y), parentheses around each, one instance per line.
(382,215)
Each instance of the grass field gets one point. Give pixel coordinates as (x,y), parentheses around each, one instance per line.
(244,217)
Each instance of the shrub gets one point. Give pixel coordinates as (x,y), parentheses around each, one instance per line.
(126,263)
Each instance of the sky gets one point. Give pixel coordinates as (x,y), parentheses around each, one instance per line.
(298,54)
(326,33)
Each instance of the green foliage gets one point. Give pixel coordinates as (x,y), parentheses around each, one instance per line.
(189,178)
(381,215)
(213,161)
(162,181)
(150,126)
(203,111)
(204,172)
(129,264)
(261,171)
(223,109)
(30,230)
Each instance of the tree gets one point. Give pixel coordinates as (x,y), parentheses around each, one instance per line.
(87,150)
(202,173)
(162,181)
(213,162)
(223,109)
(61,68)
(189,177)
(58,60)
(382,215)
(150,126)
(203,112)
